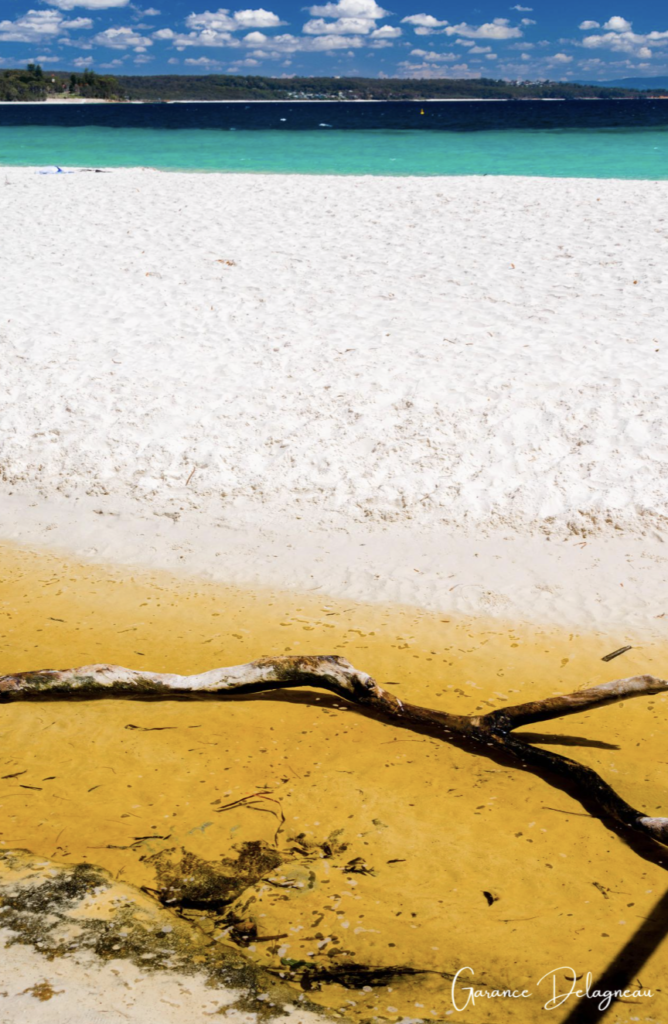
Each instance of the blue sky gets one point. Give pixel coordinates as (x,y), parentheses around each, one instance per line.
(533,39)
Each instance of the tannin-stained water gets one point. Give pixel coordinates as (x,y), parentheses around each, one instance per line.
(363,863)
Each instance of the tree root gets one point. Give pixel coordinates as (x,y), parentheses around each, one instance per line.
(493,732)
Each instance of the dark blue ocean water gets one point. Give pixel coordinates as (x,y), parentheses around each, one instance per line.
(597,139)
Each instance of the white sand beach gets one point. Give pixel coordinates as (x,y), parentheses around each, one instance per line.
(446,391)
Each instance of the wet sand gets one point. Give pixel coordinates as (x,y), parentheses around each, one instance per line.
(340,839)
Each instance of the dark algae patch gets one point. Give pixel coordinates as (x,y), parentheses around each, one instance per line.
(43,991)
(190,883)
(41,906)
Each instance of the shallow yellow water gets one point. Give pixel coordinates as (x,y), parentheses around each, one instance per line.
(423,831)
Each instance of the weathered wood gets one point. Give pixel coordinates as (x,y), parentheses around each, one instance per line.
(493,732)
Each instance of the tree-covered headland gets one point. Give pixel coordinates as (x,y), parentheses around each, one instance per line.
(33,84)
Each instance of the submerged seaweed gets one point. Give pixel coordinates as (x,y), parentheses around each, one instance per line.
(66,911)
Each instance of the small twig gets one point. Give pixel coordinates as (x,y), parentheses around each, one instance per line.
(239,802)
(615,654)
(249,802)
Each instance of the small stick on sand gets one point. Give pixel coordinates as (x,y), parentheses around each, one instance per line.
(615,654)
(493,732)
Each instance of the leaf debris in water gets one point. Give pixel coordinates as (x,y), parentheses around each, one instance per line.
(151,728)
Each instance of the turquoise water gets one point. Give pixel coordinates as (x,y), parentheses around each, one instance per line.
(588,153)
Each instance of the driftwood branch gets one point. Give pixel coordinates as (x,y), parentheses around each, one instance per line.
(493,732)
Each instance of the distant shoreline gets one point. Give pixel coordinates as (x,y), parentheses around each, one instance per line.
(35,84)
(434,99)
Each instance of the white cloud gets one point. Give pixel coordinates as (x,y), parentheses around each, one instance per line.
(497,29)
(82,62)
(316,44)
(586,25)
(91,5)
(222,21)
(433,56)
(349,9)
(151,12)
(527,21)
(257,19)
(353,25)
(78,23)
(249,62)
(338,25)
(258,38)
(386,32)
(278,45)
(341,27)
(35,26)
(410,70)
(424,24)
(423,21)
(202,62)
(518,7)
(214,21)
(626,41)
(121,38)
(560,58)
(207,37)
(350,18)
(618,25)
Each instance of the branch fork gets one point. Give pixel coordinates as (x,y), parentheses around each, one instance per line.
(494,731)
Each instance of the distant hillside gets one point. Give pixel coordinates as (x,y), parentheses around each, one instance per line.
(242,87)
(34,84)
(657,83)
